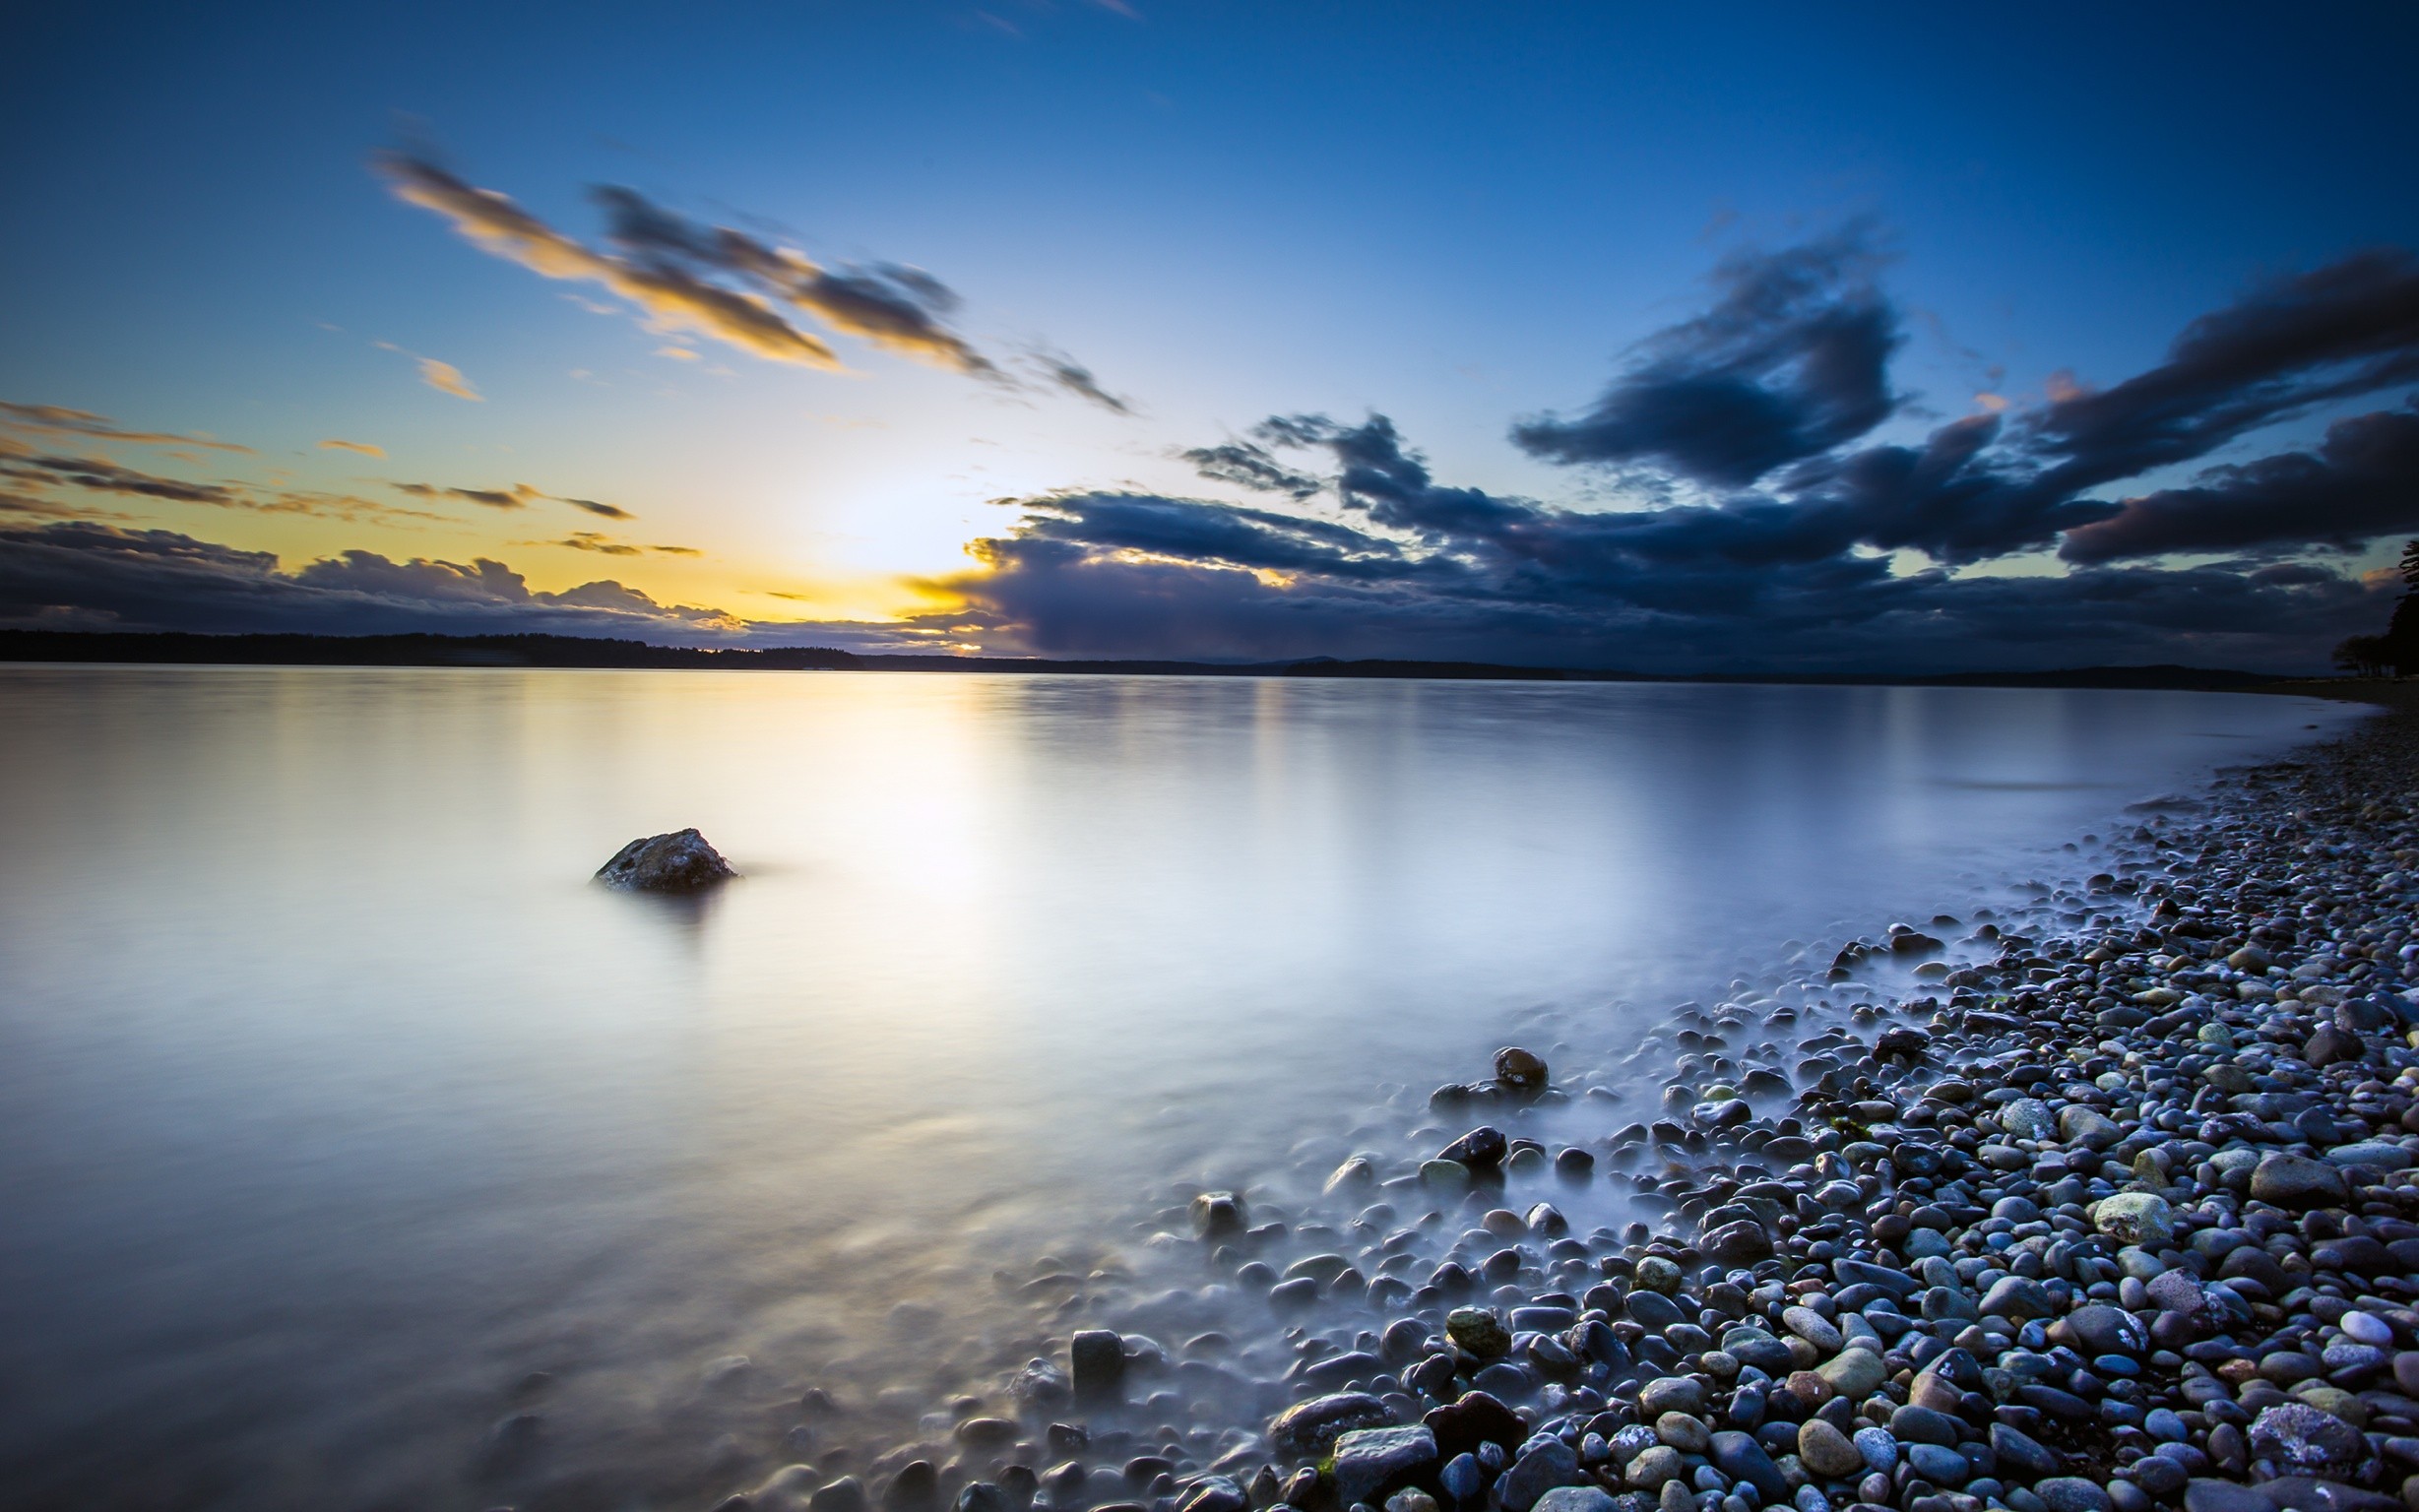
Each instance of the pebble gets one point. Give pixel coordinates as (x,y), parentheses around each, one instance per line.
(2114,1209)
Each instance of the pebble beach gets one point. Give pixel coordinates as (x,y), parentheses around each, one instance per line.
(2105,1205)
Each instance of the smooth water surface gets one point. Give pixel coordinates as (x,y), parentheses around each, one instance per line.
(335,1102)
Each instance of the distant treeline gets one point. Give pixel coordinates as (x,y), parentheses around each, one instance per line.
(569,651)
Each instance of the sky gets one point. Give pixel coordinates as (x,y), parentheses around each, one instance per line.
(1672,339)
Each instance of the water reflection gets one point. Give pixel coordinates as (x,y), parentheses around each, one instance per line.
(335,1102)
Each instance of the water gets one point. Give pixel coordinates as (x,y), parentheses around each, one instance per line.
(333,1103)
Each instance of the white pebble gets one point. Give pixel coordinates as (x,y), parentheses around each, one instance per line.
(2368,1328)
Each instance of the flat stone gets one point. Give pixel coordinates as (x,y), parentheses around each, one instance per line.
(2099,1329)
(1477,1419)
(1370,1463)
(2072,1493)
(1854,1372)
(1921,1425)
(1813,1327)
(1671,1394)
(2021,1452)
(1737,1244)
(2088,1127)
(1898,1283)
(1543,1464)
(1738,1456)
(2383,1154)
(2028,1118)
(2296,1181)
(2018,1298)
(2298,1436)
(1939,1466)
(1652,1310)
(1574,1498)
(1310,1428)
(2205,1494)
(1825,1450)
(1482,1149)
(1877,1446)
(1654,1467)
(2135,1218)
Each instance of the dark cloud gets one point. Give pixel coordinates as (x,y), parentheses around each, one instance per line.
(606,545)
(1251,465)
(1789,366)
(1077,379)
(59,420)
(2347,329)
(1791,361)
(81,572)
(103,476)
(1142,575)
(517,496)
(2361,483)
(41,474)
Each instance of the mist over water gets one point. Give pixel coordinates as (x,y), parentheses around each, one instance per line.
(335,1102)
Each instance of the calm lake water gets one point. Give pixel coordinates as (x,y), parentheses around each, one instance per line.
(335,1102)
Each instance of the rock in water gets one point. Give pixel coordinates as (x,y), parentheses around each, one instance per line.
(1519,1071)
(678,862)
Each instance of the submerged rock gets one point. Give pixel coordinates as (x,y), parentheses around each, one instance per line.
(678,862)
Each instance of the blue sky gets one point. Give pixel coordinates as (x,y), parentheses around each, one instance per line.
(1456,217)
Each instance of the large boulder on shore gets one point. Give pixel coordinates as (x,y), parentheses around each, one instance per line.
(678,862)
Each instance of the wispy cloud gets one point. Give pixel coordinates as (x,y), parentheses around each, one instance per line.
(363,447)
(514,496)
(443,377)
(1077,379)
(446,378)
(58,420)
(718,283)
(606,545)
(50,477)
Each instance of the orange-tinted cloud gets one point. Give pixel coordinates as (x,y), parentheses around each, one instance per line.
(58,420)
(671,298)
(362,446)
(446,378)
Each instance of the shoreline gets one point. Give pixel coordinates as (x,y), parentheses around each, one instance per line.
(2049,1233)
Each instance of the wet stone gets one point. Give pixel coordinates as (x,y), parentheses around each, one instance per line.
(1369,1462)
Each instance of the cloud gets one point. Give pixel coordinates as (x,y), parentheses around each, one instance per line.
(58,420)
(1791,361)
(724,284)
(671,298)
(104,477)
(362,446)
(1077,379)
(517,496)
(2286,345)
(101,575)
(2361,483)
(1146,575)
(1759,403)
(44,473)
(606,545)
(446,378)
(1248,465)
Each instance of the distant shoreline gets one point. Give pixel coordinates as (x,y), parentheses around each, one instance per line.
(576,652)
